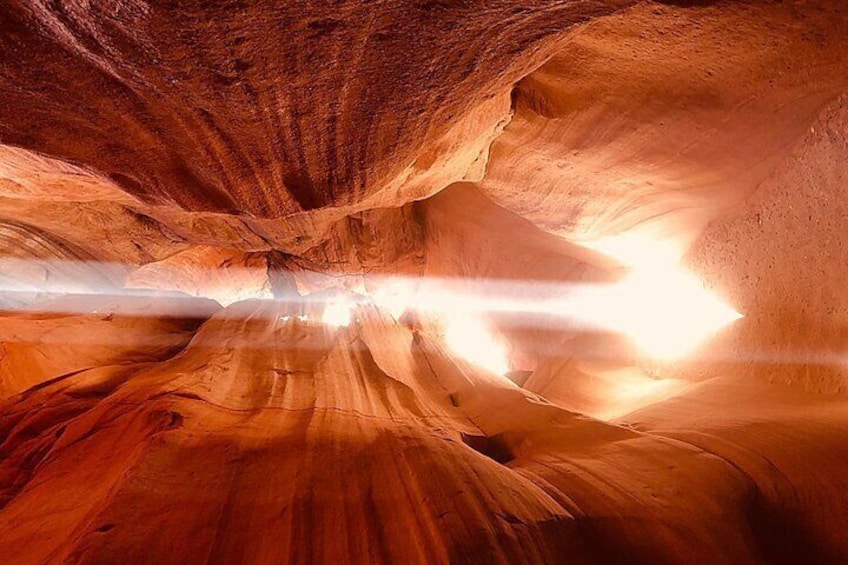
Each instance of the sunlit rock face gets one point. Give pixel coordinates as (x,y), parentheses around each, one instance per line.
(423,282)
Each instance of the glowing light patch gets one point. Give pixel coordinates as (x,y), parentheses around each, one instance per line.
(665,311)
(472,340)
(629,389)
(394,298)
(638,250)
(662,308)
(337,313)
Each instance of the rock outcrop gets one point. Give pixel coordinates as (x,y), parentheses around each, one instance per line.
(245,247)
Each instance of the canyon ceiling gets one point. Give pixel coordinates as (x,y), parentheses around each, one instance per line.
(393,281)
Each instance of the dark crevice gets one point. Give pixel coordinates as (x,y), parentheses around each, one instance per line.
(519,377)
(495,447)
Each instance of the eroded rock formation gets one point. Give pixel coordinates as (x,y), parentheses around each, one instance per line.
(245,249)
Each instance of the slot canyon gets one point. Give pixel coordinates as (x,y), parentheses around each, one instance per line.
(423,281)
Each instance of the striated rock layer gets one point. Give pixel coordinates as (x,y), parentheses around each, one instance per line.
(241,244)
(282,441)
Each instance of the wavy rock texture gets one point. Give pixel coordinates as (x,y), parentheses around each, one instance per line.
(76,333)
(226,116)
(225,275)
(187,190)
(655,121)
(358,445)
(775,257)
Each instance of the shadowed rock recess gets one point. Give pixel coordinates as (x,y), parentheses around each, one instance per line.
(423,281)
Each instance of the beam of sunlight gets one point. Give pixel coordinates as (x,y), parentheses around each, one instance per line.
(666,311)
(638,250)
(471,339)
(337,313)
(663,309)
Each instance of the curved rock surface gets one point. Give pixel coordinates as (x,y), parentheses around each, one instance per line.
(361,444)
(245,249)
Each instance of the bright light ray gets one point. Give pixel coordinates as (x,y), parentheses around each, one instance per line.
(337,313)
(394,297)
(471,339)
(638,250)
(663,309)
